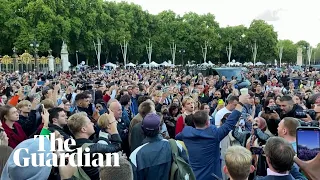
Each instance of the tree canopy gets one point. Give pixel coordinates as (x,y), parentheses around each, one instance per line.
(80,22)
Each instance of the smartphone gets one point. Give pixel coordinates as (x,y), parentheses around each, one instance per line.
(257,150)
(308,142)
(40,83)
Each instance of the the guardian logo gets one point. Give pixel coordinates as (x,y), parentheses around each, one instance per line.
(61,152)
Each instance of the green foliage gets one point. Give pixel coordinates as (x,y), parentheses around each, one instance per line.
(289,54)
(80,22)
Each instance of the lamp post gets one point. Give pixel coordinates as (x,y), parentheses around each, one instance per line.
(182,51)
(77,57)
(229,51)
(35,45)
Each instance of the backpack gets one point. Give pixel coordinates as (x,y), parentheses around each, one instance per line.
(79,174)
(180,170)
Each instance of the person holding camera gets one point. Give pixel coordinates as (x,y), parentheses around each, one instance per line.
(290,109)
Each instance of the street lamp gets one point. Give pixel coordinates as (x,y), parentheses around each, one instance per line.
(34,44)
(77,57)
(182,51)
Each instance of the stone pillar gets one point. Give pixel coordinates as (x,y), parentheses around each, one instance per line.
(51,63)
(299,57)
(65,57)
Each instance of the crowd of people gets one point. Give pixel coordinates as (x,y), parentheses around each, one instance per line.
(145,115)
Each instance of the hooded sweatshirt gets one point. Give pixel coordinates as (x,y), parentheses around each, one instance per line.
(13,172)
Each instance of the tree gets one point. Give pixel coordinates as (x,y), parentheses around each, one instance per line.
(289,54)
(266,39)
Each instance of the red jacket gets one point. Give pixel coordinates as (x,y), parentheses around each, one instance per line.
(179,124)
(15,137)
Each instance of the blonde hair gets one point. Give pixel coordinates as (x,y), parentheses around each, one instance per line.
(76,122)
(48,103)
(23,103)
(238,161)
(104,121)
(186,100)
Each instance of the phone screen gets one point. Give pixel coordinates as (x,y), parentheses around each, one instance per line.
(256,150)
(308,143)
(40,83)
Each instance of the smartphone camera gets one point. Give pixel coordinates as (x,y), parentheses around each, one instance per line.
(257,150)
(308,142)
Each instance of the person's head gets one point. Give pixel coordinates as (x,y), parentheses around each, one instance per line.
(4,156)
(287,127)
(297,99)
(261,123)
(217,94)
(258,88)
(125,100)
(238,163)
(24,106)
(129,89)
(116,108)
(58,116)
(4,99)
(89,94)
(286,104)
(9,113)
(189,120)
(48,103)
(82,100)
(251,98)
(151,125)
(105,122)
(142,99)
(123,171)
(66,105)
(173,109)
(135,90)
(279,154)
(205,107)
(157,96)
(146,107)
(269,102)
(47,92)
(176,101)
(201,119)
(188,104)
(200,88)
(232,103)
(80,125)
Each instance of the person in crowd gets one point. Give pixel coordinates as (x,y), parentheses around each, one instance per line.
(58,120)
(238,163)
(279,155)
(122,125)
(4,156)
(82,128)
(134,92)
(188,105)
(125,101)
(287,129)
(289,109)
(153,159)
(231,105)
(67,107)
(9,117)
(206,138)
(122,172)
(28,117)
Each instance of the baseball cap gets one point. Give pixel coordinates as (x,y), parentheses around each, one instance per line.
(151,122)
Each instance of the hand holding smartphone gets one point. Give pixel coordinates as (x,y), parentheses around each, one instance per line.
(308,142)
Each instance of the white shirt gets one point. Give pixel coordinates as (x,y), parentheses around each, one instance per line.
(272,173)
(219,116)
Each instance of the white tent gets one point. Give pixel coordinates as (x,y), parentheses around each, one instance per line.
(144,64)
(130,65)
(248,64)
(165,64)
(154,64)
(211,64)
(109,64)
(205,64)
(238,64)
(259,64)
(230,63)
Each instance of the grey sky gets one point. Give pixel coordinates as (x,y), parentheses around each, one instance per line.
(293,19)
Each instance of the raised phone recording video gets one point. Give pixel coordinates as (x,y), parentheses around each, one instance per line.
(308,142)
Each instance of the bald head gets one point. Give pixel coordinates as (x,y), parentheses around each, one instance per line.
(116,108)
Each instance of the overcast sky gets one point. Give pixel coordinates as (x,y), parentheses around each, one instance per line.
(292,19)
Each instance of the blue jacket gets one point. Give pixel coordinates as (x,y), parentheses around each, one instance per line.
(125,115)
(153,159)
(134,105)
(204,146)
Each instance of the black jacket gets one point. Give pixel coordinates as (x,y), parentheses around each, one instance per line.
(53,127)
(115,146)
(29,124)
